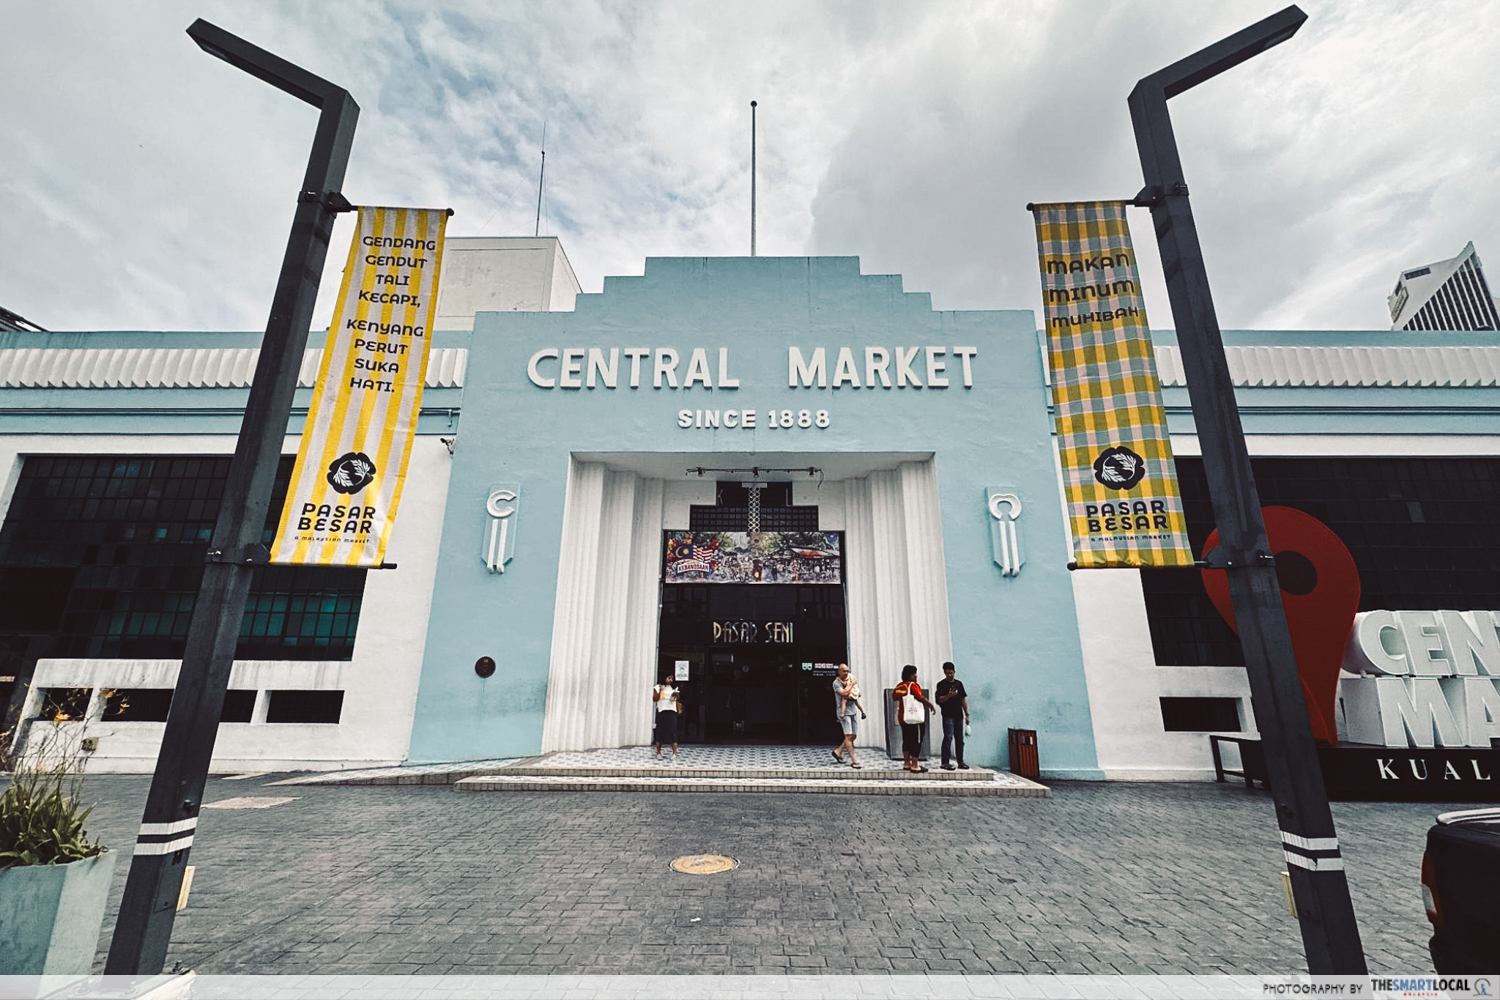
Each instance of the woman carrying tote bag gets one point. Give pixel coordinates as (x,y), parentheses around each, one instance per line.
(912,707)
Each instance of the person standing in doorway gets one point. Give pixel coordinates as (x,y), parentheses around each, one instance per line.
(912,708)
(667,700)
(954,701)
(846,705)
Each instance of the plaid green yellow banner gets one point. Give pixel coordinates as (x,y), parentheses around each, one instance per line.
(1119,483)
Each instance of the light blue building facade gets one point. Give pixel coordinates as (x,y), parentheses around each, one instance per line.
(957,410)
(561,452)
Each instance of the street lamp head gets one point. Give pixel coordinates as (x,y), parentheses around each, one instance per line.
(264,65)
(1207,63)
(1148,101)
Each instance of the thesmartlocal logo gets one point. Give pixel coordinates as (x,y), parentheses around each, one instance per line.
(1434,986)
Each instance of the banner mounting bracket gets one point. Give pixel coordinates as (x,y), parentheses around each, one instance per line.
(245,555)
(1219,559)
(1152,194)
(333,201)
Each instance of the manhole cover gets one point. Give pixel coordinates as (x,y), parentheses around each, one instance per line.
(704,864)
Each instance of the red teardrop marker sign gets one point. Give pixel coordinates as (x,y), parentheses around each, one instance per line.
(1320,594)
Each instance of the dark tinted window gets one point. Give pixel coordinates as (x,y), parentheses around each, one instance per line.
(239,706)
(1200,715)
(137,704)
(32,598)
(1422,531)
(107,552)
(64,704)
(305,706)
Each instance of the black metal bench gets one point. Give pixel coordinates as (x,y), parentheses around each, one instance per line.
(1252,759)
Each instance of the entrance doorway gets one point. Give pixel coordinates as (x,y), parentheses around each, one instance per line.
(759,660)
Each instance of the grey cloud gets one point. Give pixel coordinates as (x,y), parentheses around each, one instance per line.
(145,185)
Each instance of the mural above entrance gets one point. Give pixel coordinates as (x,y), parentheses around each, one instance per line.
(762,557)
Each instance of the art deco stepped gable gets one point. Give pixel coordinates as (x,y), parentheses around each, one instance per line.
(1447,295)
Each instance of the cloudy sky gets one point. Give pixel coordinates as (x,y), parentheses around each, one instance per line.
(144,185)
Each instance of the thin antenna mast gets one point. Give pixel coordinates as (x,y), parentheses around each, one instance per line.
(540,177)
(752,178)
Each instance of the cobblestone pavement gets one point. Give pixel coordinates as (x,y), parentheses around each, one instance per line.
(1100,878)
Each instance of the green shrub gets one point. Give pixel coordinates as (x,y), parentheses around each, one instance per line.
(42,815)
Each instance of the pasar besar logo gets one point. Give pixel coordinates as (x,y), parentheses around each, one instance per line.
(351,472)
(1119,468)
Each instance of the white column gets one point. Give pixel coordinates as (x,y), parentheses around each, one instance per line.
(860,608)
(638,660)
(603,680)
(605,623)
(892,598)
(573,615)
(932,636)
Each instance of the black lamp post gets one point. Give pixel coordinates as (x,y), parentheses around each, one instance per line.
(1330,934)
(144,927)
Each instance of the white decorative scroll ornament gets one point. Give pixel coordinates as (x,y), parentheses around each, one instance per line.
(500,536)
(1005,511)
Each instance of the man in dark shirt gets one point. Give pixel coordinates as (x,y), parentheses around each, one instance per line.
(954,701)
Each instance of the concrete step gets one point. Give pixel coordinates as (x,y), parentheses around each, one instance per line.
(618,767)
(997,784)
(832,772)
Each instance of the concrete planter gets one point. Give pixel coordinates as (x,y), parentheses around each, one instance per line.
(50,916)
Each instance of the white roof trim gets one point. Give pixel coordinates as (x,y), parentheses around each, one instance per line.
(177,367)
(1306,366)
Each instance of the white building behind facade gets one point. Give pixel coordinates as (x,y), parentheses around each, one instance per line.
(1450,294)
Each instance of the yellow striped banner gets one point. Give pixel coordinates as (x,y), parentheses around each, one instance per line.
(351,463)
(1119,483)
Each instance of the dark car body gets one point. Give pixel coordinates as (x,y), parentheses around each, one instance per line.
(1461,890)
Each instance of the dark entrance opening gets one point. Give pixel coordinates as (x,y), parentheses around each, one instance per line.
(760,660)
(752,618)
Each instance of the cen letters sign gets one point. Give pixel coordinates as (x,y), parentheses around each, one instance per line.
(351,462)
(1424,679)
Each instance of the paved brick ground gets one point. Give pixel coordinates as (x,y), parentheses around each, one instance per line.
(1101,878)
